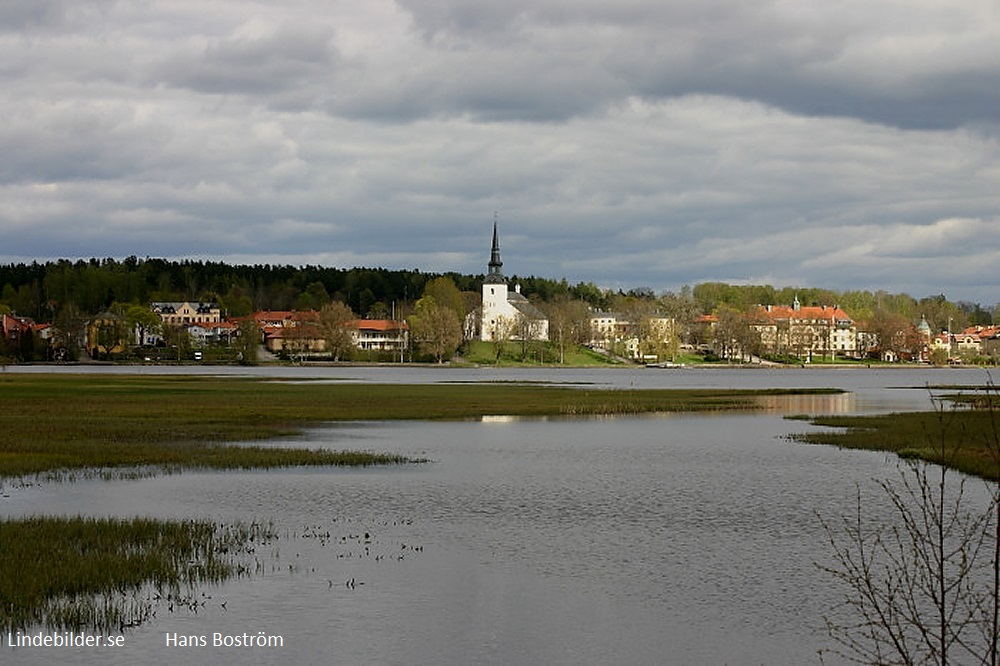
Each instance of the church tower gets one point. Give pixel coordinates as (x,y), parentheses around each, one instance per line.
(494,292)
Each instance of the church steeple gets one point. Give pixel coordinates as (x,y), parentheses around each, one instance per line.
(495,274)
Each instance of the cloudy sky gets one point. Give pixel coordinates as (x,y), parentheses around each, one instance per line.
(631,143)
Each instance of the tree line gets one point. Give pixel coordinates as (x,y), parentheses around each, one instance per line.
(40,290)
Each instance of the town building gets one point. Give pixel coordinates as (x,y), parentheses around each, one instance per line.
(380,334)
(806,331)
(183,313)
(507,315)
(298,332)
(646,340)
(14,328)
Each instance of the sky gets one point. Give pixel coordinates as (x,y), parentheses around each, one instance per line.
(628,143)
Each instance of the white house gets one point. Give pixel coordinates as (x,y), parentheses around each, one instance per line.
(508,315)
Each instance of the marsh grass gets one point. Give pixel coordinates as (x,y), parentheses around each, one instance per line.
(105,573)
(962,439)
(73,422)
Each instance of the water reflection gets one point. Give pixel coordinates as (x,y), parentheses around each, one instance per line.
(795,404)
(837,403)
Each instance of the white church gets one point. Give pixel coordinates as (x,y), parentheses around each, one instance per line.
(507,315)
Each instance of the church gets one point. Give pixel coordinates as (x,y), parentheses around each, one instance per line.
(507,315)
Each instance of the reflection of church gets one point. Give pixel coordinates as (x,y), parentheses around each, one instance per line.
(506,315)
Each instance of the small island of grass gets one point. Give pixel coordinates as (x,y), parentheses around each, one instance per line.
(967,440)
(77,422)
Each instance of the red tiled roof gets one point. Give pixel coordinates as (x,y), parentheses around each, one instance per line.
(804,312)
(378,325)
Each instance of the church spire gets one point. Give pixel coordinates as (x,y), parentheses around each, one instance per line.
(495,274)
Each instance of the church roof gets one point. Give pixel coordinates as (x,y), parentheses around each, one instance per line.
(524,306)
(495,274)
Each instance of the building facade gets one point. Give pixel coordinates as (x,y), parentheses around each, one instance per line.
(507,315)
(806,331)
(184,313)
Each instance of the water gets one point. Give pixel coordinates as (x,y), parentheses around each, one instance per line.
(681,539)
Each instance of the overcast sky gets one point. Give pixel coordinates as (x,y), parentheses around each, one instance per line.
(629,143)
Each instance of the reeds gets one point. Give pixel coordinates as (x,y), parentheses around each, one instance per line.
(104,574)
(967,438)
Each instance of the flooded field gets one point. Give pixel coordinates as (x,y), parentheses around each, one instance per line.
(635,540)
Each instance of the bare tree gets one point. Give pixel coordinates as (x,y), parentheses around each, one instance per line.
(246,342)
(925,588)
(890,331)
(569,323)
(501,332)
(334,320)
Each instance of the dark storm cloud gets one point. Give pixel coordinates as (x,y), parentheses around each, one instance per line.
(633,143)
(907,71)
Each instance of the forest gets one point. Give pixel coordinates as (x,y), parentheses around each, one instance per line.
(42,290)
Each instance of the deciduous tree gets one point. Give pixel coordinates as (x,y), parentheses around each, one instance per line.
(334,327)
(436,329)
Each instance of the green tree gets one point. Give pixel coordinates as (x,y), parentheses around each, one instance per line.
(378,310)
(446,294)
(236,302)
(111,334)
(142,321)
(313,298)
(436,329)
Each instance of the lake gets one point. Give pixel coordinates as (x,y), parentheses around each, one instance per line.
(665,539)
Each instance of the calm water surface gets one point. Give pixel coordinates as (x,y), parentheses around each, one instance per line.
(683,539)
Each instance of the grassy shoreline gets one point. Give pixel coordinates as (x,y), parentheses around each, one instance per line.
(967,440)
(74,422)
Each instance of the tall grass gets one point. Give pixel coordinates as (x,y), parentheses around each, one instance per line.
(91,573)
